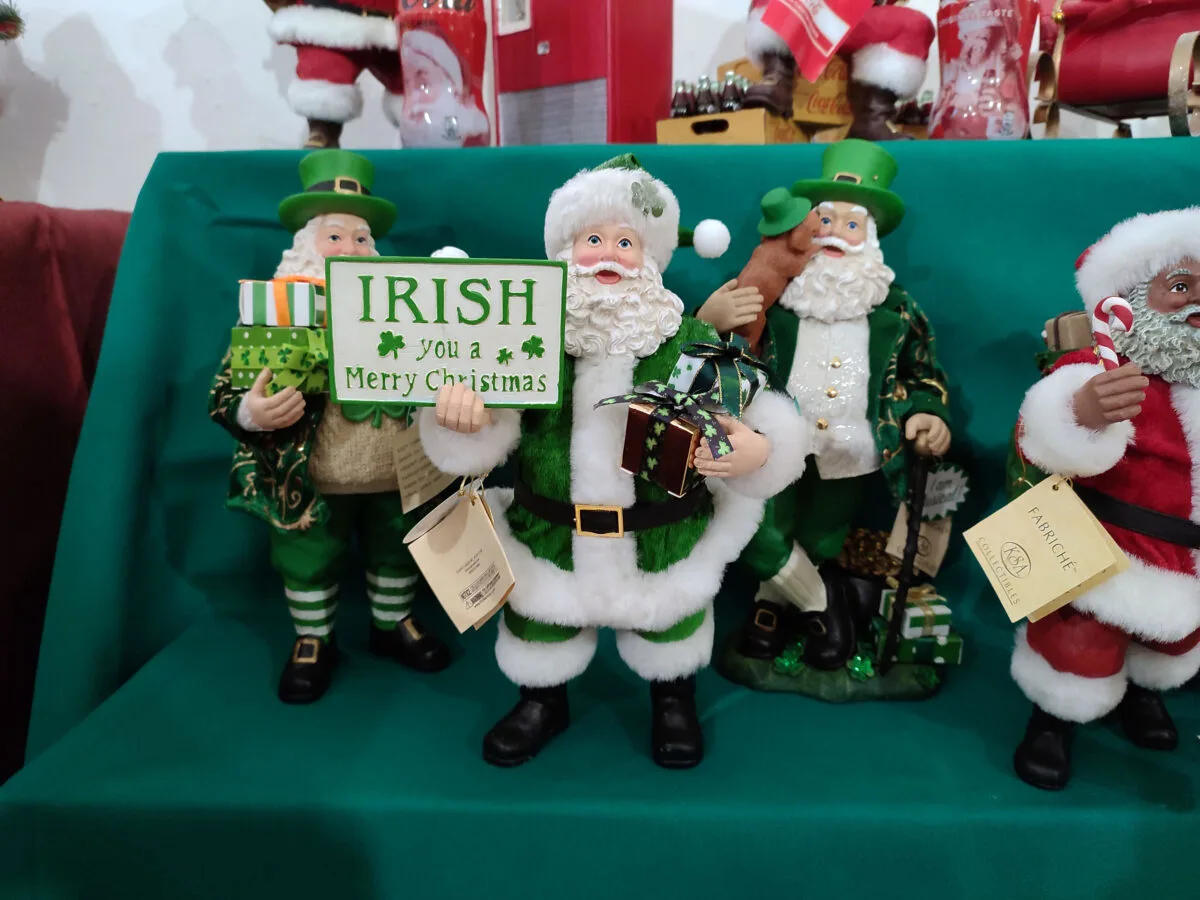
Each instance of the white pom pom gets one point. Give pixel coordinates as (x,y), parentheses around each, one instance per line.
(450,253)
(711,239)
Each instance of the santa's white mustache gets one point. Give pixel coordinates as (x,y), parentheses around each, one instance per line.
(1181,316)
(621,270)
(840,244)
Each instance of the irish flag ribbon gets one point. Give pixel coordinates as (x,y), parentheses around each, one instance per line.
(293,301)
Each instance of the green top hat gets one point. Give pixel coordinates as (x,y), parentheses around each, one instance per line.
(782,211)
(337,181)
(858,172)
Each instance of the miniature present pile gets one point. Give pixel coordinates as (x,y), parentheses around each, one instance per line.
(281,328)
(926,635)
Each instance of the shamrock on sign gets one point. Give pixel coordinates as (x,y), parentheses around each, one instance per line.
(533,347)
(391,343)
(504,357)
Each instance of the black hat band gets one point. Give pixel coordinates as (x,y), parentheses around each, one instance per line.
(341,186)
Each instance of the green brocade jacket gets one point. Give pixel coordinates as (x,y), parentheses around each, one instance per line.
(270,478)
(544,462)
(906,377)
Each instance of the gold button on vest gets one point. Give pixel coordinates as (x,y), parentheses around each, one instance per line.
(831,393)
(822,424)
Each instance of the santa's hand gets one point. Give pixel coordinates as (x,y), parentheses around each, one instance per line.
(930,435)
(461,409)
(731,307)
(1110,397)
(750,452)
(272,413)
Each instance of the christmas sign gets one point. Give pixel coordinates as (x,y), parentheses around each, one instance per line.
(399,329)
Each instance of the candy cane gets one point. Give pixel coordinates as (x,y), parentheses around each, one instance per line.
(1112,312)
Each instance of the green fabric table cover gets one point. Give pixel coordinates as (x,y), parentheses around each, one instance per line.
(163,766)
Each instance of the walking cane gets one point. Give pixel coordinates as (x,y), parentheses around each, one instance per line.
(918,475)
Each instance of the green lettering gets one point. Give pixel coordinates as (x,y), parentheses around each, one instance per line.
(542,383)
(475,297)
(406,297)
(440,284)
(507,293)
(353,372)
(475,352)
(373,380)
(366,295)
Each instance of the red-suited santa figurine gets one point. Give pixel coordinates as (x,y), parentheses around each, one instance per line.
(886,51)
(336,41)
(1130,439)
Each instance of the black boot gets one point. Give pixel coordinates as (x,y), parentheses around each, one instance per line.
(863,595)
(763,635)
(874,109)
(541,715)
(675,737)
(323,135)
(410,645)
(309,669)
(1043,758)
(831,634)
(775,92)
(1145,719)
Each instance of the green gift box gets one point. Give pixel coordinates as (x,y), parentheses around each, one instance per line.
(298,357)
(925,612)
(724,371)
(938,649)
(290,302)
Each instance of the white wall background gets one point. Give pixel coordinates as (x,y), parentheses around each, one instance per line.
(96,88)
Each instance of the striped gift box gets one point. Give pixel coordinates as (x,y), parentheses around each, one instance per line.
(925,612)
(292,301)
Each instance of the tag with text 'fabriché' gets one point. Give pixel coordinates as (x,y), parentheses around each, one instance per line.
(458,552)
(1044,550)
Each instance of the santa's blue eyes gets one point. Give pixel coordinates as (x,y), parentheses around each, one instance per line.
(853,226)
(826,221)
(594,240)
(625,244)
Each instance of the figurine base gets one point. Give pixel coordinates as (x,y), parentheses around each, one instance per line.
(903,681)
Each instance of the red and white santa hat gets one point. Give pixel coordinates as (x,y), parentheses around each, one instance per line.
(1135,251)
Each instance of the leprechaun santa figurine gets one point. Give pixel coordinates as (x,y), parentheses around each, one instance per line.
(592,546)
(322,476)
(1128,437)
(858,356)
(887,52)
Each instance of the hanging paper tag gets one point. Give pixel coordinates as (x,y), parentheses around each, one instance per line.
(458,552)
(420,480)
(1043,550)
(933,540)
(814,29)
(945,491)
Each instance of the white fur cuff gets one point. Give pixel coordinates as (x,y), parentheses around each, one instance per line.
(1067,696)
(1053,441)
(775,415)
(537,664)
(761,40)
(470,454)
(664,662)
(312,98)
(1158,671)
(883,67)
(332,28)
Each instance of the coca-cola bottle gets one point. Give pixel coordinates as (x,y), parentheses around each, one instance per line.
(682,103)
(706,100)
(731,97)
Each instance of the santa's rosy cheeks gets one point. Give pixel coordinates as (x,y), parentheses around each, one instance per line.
(608,244)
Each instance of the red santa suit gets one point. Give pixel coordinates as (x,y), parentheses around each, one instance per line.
(888,48)
(1144,624)
(336,41)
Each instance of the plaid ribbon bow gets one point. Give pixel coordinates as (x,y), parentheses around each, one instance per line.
(667,404)
(360,412)
(731,372)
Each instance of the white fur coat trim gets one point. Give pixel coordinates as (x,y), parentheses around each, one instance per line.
(1185,400)
(1158,671)
(1135,251)
(883,67)
(665,662)
(1146,602)
(324,100)
(536,664)
(1070,697)
(1053,441)
(469,454)
(761,40)
(332,28)
(775,415)
(605,197)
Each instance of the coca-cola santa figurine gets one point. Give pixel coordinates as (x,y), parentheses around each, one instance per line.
(886,51)
(1128,437)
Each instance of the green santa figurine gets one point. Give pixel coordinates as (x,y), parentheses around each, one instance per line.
(590,545)
(320,476)
(858,356)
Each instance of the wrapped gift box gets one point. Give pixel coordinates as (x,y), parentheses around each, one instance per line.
(724,371)
(660,453)
(925,612)
(297,356)
(937,649)
(282,302)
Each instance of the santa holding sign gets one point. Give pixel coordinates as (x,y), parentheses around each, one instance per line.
(1129,436)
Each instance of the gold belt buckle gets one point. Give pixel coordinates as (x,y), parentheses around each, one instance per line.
(619,511)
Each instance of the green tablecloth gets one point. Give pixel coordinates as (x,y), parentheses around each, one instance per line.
(163,766)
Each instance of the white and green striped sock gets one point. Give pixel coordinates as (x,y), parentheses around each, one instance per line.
(391,598)
(313,611)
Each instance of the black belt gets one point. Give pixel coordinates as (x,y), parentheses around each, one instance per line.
(590,520)
(1150,522)
(348,8)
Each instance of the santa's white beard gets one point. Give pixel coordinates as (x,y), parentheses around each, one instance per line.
(834,288)
(634,316)
(1161,343)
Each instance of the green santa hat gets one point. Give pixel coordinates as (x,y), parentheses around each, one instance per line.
(623,192)
(337,181)
(861,173)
